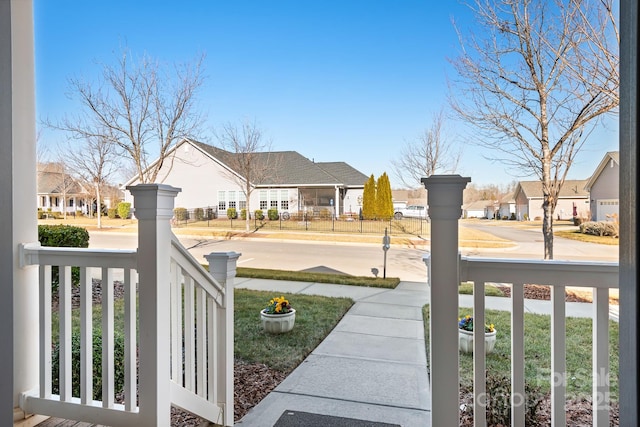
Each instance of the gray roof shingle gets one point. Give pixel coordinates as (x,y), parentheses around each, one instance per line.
(291,168)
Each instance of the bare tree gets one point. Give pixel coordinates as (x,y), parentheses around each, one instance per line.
(527,89)
(249,156)
(94,160)
(140,108)
(428,154)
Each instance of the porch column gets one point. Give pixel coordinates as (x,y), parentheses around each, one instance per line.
(629,136)
(444,197)
(19,302)
(336,203)
(154,209)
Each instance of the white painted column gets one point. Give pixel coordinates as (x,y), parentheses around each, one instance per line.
(154,209)
(336,204)
(19,302)
(222,266)
(444,196)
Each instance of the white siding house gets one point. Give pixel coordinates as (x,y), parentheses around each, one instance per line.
(573,200)
(207,179)
(604,188)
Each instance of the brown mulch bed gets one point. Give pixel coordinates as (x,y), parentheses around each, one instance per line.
(544,293)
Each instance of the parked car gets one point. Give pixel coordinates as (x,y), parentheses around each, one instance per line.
(411,211)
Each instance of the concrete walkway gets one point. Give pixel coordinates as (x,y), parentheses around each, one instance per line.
(372,366)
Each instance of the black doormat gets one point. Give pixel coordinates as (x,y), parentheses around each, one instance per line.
(305,419)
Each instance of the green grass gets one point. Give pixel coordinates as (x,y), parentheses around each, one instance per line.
(577,235)
(316,316)
(466,288)
(538,353)
(305,276)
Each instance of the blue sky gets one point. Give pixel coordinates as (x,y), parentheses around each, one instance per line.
(334,80)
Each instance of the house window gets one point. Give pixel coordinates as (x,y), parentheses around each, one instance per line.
(43,201)
(264,203)
(70,203)
(242,200)
(222,204)
(56,202)
(273,199)
(284,200)
(232,200)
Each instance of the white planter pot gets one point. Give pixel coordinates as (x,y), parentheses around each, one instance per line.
(278,323)
(465,341)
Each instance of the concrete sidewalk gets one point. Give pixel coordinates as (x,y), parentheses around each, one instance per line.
(371,367)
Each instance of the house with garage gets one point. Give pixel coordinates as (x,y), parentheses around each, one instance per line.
(477,209)
(573,200)
(507,206)
(288,182)
(604,188)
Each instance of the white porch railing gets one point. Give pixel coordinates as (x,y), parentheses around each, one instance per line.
(178,338)
(447,270)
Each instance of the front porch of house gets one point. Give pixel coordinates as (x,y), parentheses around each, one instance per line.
(191,366)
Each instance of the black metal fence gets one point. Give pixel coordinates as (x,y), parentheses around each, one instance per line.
(298,221)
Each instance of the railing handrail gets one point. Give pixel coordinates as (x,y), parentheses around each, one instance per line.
(34,254)
(197,272)
(590,274)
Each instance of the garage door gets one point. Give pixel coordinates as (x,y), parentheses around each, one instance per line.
(607,207)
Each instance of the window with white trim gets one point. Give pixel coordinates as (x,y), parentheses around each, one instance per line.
(273,199)
(264,203)
(284,200)
(232,200)
(222,204)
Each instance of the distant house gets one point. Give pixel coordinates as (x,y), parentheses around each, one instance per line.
(477,209)
(208,180)
(604,188)
(58,191)
(507,206)
(573,199)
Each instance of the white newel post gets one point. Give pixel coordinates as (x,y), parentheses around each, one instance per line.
(444,197)
(153,209)
(222,267)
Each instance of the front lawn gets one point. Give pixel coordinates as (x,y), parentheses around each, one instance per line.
(538,352)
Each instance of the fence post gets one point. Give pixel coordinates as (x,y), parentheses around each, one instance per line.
(222,267)
(154,208)
(444,196)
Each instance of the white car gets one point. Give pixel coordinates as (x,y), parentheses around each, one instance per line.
(411,211)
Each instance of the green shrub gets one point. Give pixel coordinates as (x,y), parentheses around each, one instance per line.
(198,214)
(259,214)
(272,214)
(97,364)
(243,214)
(526,217)
(124,209)
(65,236)
(513,216)
(112,213)
(232,213)
(181,214)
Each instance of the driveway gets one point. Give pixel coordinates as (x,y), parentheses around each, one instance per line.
(530,244)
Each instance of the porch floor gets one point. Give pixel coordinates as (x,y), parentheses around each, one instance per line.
(59,422)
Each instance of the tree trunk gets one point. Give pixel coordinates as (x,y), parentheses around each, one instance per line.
(547,226)
(98,205)
(248,207)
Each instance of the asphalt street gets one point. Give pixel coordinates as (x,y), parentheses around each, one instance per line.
(363,259)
